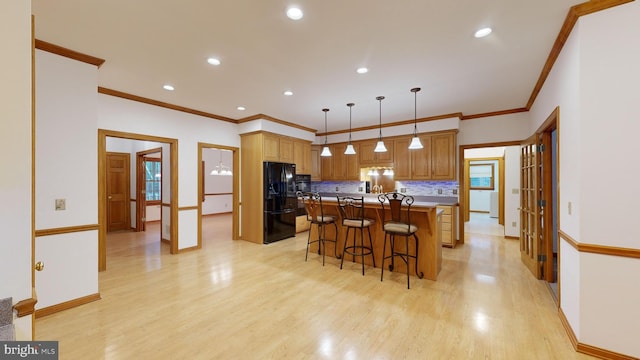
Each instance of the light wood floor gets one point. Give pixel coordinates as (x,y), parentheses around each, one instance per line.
(239,300)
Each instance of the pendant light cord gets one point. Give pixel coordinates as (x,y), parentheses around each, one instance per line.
(350,105)
(325,126)
(415,111)
(380,98)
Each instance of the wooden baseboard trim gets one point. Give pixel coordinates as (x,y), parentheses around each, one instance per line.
(193,248)
(25,307)
(67,305)
(512,237)
(165,241)
(588,349)
(215,214)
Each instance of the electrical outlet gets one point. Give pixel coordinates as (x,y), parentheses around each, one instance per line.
(514,224)
(515,191)
(403,190)
(337,188)
(439,191)
(569,207)
(359,188)
(455,191)
(61,204)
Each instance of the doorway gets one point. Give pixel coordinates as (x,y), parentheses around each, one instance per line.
(218,185)
(170,204)
(539,210)
(148,199)
(504,170)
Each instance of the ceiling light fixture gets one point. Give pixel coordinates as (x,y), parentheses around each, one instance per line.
(168,87)
(415,142)
(362,70)
(213,61)
(288,93)
(325,149)
(241,108)
(350,150)
(483,32)
(380,145)
(294,13)
(221,169)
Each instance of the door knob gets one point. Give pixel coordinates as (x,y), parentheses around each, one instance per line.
(39,266)
(109,197)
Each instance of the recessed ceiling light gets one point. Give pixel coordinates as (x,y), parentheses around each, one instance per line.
(483,32)
(294,13)
(241,108)
(168,87)
(213,61)
(288,93)
(362,70)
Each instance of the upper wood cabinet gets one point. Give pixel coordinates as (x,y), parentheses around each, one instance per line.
(302,156)
(316,170)
(270,147)
(339,166)
(435,161)
(367,157)
(443,156)
(286,150)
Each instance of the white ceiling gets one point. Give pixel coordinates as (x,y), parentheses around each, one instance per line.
(404,43)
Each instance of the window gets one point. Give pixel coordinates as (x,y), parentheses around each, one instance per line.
(153,174)
(481,176)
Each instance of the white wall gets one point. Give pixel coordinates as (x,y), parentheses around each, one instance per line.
(128,116)
(494,129)
(66,155)
(479,200)
(15,144)
(512,191)
(595,84)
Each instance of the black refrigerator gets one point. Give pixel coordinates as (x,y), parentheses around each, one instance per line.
(280,202)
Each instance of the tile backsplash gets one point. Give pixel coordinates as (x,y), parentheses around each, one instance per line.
(416,188)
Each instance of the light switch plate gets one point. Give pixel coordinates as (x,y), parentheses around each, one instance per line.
(61,204)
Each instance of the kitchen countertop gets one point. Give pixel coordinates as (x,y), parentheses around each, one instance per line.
(420,200)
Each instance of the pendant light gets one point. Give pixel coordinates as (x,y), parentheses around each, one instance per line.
(221,169)
(380,145)
(350,150)
(325,149)
(415,142)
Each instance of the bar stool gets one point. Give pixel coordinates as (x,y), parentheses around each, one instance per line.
(398,223)
(352,213)
(315,215)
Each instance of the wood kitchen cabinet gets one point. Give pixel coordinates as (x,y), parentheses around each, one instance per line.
(367,157)
(435,161)
(448,225)
(302,156)
(339,166)
(258,147)
(316,170)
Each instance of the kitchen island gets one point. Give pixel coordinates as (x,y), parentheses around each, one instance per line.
(423,214)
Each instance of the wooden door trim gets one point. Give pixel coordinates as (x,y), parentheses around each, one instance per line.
(173,159)
(550,124)
(235,198)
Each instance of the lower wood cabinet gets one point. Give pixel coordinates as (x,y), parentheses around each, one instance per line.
(302,224)
(448,225)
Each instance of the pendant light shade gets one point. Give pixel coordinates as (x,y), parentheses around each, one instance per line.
(325,149)
(350,150)
(415,142)
(380,145)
